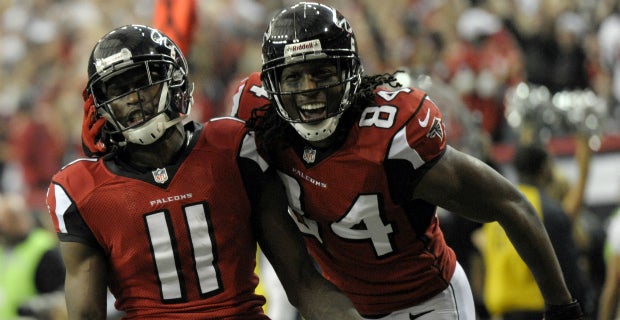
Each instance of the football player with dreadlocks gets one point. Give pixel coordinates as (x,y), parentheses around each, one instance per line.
(365,164)
(169,214)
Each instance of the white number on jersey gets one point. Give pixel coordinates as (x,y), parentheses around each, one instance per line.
(378,116)
(162,243)
(362,222)
(305,225)
(381,116)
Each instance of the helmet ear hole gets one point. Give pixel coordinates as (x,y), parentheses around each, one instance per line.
(177,76)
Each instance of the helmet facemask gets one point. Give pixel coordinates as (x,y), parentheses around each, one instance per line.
(139,82)
(307,35)
(326,102)
(142,94)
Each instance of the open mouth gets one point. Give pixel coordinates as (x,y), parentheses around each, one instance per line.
(135,117)
(313,112)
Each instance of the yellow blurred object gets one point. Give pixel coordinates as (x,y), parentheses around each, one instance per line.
(509,284)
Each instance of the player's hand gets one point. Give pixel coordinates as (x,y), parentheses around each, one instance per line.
(91,129)
(569,311)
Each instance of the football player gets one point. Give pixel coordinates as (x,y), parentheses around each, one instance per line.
(365,167)
(169,216)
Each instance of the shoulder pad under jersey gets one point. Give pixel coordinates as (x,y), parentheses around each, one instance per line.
(248,96)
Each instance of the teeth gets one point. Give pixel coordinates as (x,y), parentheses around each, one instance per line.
(312,106)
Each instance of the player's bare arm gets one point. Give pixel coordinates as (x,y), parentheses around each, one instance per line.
(85,283)
(465,185)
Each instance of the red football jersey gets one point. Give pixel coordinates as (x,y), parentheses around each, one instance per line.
(382,248)
(179,239)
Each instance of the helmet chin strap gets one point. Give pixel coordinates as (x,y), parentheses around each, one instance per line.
(315,132)
(152,130)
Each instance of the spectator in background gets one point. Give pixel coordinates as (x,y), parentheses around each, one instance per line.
(587,229)
(609,44)
(29,256)
(569,70)
(532,25)
(4,153)
(36,149)
(609,303)
(553,37)
(482,65)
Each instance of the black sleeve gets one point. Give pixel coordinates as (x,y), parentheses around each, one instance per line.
(50,274)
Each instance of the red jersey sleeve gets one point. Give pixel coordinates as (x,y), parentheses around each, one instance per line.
(426,131)
(416,130)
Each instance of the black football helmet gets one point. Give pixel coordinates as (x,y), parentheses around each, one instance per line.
(304,32)
(129,60)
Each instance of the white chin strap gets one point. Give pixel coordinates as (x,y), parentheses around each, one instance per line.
(317,131)
(152,130)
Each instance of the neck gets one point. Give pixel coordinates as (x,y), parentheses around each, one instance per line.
(158,154)
(322,144)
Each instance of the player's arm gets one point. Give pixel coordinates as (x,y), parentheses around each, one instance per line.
(283,245)
(465,185)
(573,200)
(85,283)
(609,303)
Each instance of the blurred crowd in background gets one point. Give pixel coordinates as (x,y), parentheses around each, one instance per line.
(502,71)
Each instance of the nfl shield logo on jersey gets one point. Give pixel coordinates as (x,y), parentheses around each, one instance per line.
(160,175)
(309,155)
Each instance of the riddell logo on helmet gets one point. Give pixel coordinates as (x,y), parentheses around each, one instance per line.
(302,47)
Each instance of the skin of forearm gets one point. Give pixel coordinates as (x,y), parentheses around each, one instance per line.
(528,235)
(324,301)
(610,296)
(573,200)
